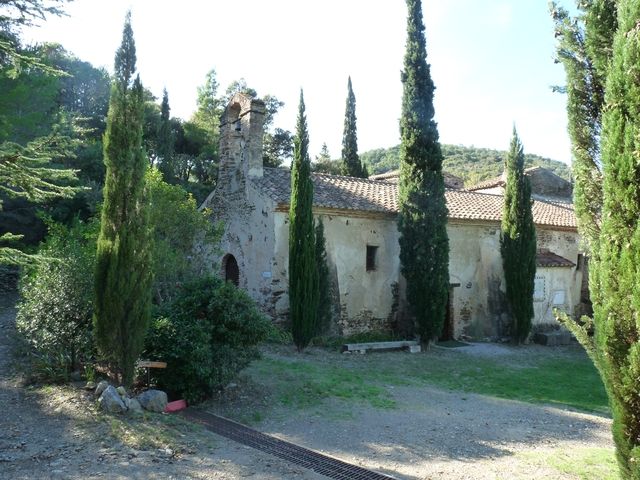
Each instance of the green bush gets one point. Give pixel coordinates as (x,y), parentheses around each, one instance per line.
(54,314)
(178,229)
(207,334)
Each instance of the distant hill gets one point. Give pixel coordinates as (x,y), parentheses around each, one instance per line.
(471,164)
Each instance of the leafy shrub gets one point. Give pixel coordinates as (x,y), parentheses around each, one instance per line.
(278,335)
(207,334)
(179,228)
(54,314)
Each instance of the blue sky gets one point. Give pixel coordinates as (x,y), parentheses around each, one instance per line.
(491,61)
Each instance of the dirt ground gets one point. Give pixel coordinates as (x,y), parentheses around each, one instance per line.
(431,434)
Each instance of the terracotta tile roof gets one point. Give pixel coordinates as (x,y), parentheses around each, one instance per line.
(546,258)
(494,182)
(450,180)
(357,194)
(501,180)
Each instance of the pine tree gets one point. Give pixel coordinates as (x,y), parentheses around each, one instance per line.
(303,275)
(422,219)
(166,142)
(351,165)
(123,263)
(518,242)
(324,295)
(616,269)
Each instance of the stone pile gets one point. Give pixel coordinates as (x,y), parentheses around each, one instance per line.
(116,400)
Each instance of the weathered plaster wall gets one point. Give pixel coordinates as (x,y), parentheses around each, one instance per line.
(365,297)
(561,285)
(555,288)
(475,263)
(479,303)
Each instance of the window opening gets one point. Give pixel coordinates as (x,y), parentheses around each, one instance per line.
(231,270)
(372,260)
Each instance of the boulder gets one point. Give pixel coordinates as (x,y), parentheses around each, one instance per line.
(90,386)
(102,386)
(121,391)
(133,406)
(153,400)
(111,402)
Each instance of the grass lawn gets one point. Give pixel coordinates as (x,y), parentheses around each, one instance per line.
(563,377)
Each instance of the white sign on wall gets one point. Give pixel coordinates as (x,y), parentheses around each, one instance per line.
(558,297)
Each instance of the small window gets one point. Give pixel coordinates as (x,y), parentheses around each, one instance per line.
(372,261)
(579,262)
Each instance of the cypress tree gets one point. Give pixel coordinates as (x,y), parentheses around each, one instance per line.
(123,263)
(615,270)
(351,165)
(422,219)
(584,48)
(303,275)
(324,295)
(518,242)
(166,142)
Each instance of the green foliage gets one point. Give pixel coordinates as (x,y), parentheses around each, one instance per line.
(323,316)
(324,164)
(166,142)
(54,314)
(201,135)
(422,218)
(26,172)
(584,46)
(303,275)
(472,164)
(178,228)
(15,15)
(123,263)
(351,165)
(206,335)
(59,119)
(28,105)
(614,270)
(518,243)
(277,147)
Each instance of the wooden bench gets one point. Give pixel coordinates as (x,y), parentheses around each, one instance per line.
(149,365)
(410,345)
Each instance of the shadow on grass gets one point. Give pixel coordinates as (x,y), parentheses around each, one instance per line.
(396,408)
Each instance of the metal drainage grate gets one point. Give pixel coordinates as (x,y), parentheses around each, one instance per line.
(322,464)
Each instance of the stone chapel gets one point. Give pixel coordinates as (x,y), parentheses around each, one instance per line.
(359,217)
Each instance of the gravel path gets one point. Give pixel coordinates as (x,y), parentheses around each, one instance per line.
(59,435)
(438,434)
(430,434)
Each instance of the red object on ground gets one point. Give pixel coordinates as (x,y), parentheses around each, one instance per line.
(175,406)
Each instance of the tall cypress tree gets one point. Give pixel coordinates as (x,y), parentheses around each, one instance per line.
(422,220)
(518,242)
(303,274)
(351,165)
(123,263)
(615,270)
(166,142)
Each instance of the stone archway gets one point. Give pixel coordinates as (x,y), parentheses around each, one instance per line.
(231,270)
